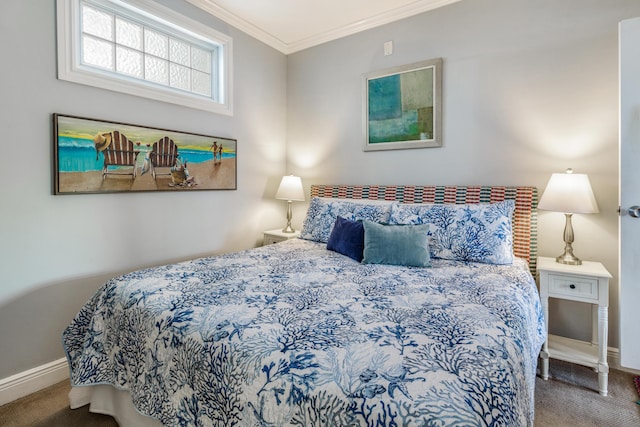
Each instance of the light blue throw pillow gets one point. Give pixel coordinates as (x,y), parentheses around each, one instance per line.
(322,214)
(465,232)
(396,244)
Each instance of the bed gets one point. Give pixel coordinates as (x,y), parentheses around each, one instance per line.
(296,334)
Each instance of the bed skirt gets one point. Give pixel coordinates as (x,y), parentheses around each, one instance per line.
(106,399)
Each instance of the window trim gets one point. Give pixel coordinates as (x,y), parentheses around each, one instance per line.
(70,69)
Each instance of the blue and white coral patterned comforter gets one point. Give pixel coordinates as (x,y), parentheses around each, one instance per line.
(293,334)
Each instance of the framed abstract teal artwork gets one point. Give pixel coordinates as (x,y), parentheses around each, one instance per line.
(403,107)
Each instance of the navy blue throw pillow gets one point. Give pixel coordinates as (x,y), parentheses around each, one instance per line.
(347,238)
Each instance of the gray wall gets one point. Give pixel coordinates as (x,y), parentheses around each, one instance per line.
(530,88)
(57,250)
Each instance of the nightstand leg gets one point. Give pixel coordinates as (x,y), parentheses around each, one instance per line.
(603,379)
(544,354)
(603,366)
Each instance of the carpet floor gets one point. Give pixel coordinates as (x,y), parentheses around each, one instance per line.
(569,398)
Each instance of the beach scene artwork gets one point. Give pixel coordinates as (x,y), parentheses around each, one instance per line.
(95,156)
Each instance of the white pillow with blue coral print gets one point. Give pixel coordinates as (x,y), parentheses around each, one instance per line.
(323,212)
(470,232)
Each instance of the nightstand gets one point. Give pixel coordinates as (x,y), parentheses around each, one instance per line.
(276,236)
(588,283)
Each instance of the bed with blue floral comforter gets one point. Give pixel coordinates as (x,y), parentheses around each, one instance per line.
(295,335)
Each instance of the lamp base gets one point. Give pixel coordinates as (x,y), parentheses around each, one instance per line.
(568,258)
(288,229)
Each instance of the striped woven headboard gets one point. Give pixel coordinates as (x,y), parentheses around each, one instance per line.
(525,220)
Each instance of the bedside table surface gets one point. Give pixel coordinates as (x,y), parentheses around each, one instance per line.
(278,232)
(588,268)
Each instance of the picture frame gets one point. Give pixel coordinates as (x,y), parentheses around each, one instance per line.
(403,107)
(99,156)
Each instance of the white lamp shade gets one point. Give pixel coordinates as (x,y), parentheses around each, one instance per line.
(569,193)
(290,189)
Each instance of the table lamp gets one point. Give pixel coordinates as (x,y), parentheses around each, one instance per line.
(569,193)
(290,189)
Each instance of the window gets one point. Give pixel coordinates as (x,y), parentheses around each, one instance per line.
(144,49)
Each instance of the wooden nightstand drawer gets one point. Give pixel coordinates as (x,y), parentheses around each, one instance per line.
(570,287)
(270,240)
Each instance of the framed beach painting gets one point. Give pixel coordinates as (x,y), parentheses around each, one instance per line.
(97,156)
(403,107)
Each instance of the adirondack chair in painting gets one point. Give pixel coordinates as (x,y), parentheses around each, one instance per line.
(163,155)
(119,152)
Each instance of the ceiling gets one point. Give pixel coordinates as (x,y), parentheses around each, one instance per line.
(293,25)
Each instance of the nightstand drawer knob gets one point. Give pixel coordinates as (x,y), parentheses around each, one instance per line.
(572,286)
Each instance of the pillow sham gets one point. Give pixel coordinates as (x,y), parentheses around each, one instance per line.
(347,238)
(322,214)
(465,232)
(396,244)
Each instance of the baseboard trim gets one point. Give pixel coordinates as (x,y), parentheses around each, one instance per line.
(613,357)
(27,382)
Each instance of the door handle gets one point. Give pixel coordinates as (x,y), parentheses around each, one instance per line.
(634,211)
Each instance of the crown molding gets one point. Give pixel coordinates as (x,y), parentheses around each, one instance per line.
(415,8)
(240,23)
